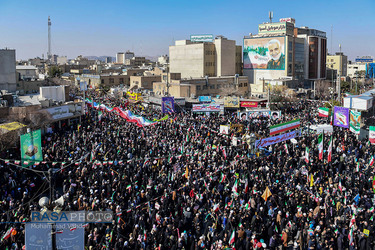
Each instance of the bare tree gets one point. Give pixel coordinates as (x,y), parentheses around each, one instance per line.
(322,89)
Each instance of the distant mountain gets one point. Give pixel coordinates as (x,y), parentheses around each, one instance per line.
(102,58)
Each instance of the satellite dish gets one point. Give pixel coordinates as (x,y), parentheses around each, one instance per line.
(43,202)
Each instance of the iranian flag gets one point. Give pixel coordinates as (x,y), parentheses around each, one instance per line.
(330,150)
(7,234)
(372,134)
(350,237)
(283,127)
(320,146)
(352,221)
(286,148)
(307,152)
(323,112)
(231,239)
(224,153)
(222,178)
(235,189)
(371,161)
(340,186)
(246,186)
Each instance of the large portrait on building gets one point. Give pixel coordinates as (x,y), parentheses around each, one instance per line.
(264,53)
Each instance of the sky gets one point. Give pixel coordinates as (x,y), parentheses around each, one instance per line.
(103,28)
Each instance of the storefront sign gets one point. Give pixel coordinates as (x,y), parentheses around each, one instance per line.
(246,104)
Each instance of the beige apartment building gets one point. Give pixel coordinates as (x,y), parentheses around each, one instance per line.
(200,59)
(144,82)
(338,62)
(194,87)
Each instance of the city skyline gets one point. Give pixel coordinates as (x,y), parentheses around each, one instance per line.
(149,28)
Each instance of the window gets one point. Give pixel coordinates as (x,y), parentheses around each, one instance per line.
(121,80)
(205,87)
(102,81)
(245,84)
(212,86)
(219,86)
(111,80)
(240,85)
(198,87)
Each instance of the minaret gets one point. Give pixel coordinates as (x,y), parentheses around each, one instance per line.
(49,55)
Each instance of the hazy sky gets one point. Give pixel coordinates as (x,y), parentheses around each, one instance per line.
(149,27)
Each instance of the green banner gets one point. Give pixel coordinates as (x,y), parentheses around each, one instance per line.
(31,147)
(355,121)
(162,119)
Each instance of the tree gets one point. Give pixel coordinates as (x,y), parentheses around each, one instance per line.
(54,71)
(322,89)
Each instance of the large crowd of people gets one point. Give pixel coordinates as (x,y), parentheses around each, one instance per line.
(180,184)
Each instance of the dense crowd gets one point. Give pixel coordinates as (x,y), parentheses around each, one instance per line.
(180,184)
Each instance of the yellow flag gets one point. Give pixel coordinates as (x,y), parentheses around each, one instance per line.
(312,180)
(187,173)
(267,193)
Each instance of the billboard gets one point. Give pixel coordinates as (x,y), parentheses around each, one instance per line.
(364,60)
(355,121)
(202,38)
(276,28)
(167,104)
(341,117)
(31,146)
(231,102)
(264,53)
(246,104)
(207,107)
(204,98)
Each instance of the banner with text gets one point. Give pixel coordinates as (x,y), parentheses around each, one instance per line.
(276,139)
(355,121)
(167,105)
(341,117)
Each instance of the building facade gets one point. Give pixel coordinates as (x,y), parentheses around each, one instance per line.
(338,62)
(143,82)
(8,79)
(200,59)
(209,86)
(282,52)
(120,58)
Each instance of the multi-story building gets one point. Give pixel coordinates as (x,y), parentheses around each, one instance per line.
(360,65)
(129,55)
(135,61)
(120,58)
(338,62)
(197,59)
(208,86)
(8,79)
(62,60)
(281,52)
(144,82)
(27,72)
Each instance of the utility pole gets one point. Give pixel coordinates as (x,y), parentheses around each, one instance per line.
(167,80)
(53,225)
